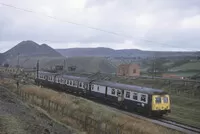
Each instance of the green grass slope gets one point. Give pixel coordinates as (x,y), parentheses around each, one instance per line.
(187,66)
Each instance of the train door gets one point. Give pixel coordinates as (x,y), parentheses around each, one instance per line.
(106,91)
(120,95)
(89,87)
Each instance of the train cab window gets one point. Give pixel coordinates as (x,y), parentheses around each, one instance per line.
(92,87)
(135,96)
(143,98)
(165,99)
(127,94)
(158,99)
(113,91)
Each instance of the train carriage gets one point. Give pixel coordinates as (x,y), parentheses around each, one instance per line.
(141,99)
(76,84)
(137,98)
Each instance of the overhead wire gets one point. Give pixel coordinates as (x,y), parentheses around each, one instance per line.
(82,25)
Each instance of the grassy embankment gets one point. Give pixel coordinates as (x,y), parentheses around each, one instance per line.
(94,110)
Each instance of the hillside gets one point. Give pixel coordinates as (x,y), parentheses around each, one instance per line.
(83,64)
(30,49)
(108,52)
(75,52)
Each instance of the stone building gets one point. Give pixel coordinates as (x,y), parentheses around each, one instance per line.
(128,70)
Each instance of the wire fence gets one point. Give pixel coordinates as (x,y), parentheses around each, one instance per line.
(75,118)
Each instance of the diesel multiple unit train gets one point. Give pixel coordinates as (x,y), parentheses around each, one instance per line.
(153,102)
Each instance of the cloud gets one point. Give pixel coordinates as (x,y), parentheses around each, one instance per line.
(144,24)
(191,23)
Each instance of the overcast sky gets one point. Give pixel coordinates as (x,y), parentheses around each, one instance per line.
(169,24)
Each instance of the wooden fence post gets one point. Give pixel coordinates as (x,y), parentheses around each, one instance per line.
(56,106)
(32,98)
(49,104)
(42,103)
(23,96)
(62,110)
(28,96)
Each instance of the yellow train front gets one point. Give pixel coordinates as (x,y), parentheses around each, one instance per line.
(160,104)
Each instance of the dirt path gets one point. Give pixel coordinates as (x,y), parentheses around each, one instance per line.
(18,118)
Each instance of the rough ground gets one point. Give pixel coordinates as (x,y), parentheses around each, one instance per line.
(19,118)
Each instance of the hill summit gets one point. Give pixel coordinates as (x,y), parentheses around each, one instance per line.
(30,48)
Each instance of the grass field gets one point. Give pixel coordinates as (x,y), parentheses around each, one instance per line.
(186,110)
(97,111)
(187,66)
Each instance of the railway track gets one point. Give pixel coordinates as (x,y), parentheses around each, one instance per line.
(163,122)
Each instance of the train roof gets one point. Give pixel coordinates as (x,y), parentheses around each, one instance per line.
(116,85)
(133,88)
(48,73)
(82,79)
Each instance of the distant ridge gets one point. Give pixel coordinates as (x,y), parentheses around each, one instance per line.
(108,52)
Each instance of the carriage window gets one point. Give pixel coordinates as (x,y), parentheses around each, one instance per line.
(158,99)
(98,88)
(118,92)
(135,96)
(143,98)
(74,83)
(127,94)
(165,99)
(67,81)
(92,87)
(113,91)
(70,82)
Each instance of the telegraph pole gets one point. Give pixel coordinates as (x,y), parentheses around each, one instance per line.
(37,69)
(153,69)
(18,61)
